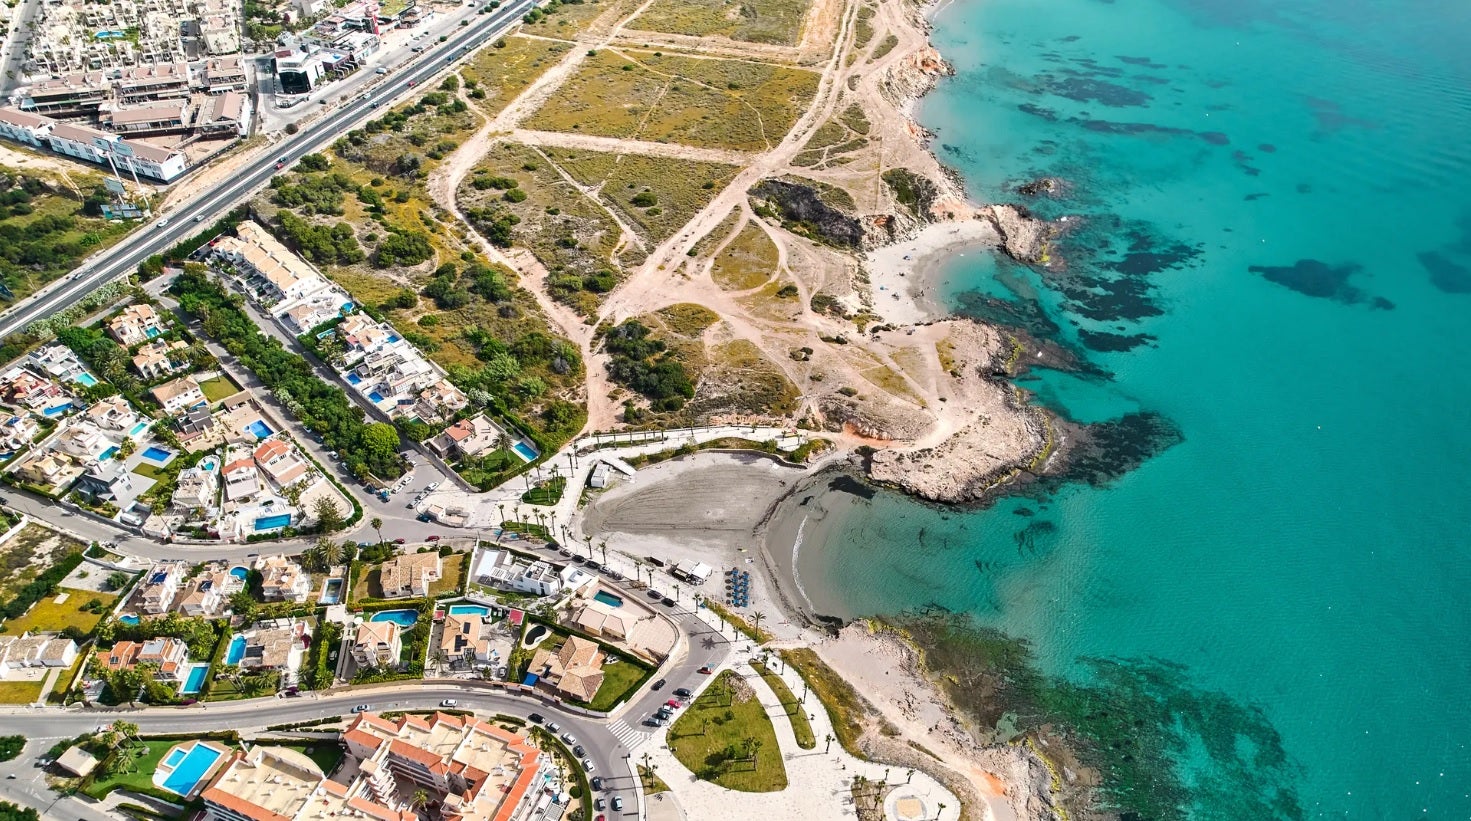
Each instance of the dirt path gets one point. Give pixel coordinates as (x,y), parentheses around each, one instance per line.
(615,145)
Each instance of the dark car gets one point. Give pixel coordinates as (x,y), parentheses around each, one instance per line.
(535,718)
(592,565)
(600,804)
(580,751)
(597,783)
(655,595)
(658,685)
(706,670)
(651,722)
(667,602)
(683,692)
(431,538)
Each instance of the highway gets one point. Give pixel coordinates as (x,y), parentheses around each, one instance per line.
(153,238)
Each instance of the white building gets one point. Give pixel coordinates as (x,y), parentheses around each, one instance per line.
(505,570)
(178,395)
(160,585)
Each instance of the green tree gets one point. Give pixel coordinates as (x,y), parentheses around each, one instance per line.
(117,580)
(380,443)
(377,525)
(10,746)
(328,515)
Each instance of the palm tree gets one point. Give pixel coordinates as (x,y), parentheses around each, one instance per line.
(311,557)
(941,812)
(377,525)
(603,546)
(829,747)
(331,552)
(756,619)
(127,730)
(638,569)
(419,800)
(676,592)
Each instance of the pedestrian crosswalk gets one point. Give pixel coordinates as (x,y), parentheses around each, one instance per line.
(627,734)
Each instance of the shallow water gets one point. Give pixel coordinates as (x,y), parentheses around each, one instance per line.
(1274,253)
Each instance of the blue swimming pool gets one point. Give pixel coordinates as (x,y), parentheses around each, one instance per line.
(129,619)
(174,758)
(269,522)
(402,618)
(332,592)
(469,610)
(392,338)
(525,451)
(158,454)
(85,379)
(195,682)
(138,429)
(353,379)
(57,410)
(607,598)
(236,651)
(190,770)
(153,333)
(376,397)
(239,573)
(108,454)
(260,429)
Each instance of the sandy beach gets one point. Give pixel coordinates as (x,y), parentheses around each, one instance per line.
(905,275)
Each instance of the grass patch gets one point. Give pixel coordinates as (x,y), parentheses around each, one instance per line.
(739,378)
(28,553)
(453,577)
(546,493)
(717,234)
(777,22)
(45,229)
(153,472)
(726,737)
(217,388)
(884,47)
(746,262)
(710,103)
(146,758)
(48,616)
(801,727)
(503,73)
(618,681)
(845,707)
(652,783)
(326,755)
(658,195)
(20,692)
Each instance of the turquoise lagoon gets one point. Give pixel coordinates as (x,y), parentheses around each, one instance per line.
(1274,254)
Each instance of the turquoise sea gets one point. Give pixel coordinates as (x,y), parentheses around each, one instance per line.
(1273,251)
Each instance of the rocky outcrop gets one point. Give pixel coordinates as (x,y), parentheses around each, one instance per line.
(804,210)
(1023,236)
(1041,187)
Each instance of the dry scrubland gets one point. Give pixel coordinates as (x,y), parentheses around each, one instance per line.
(665,98)
(507,68)
(658,195)
(747,261)
(776,22)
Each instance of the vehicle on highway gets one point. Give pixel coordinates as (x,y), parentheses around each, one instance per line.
(658,685)
(413,83)
(588,765)
(449,702)
(163,222)
(536,718)
(617,802)
(362,708)
(199,218)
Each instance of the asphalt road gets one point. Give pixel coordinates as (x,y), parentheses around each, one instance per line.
(156,237)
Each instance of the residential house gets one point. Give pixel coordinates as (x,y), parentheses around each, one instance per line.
(208,593)
(178,395)
(504,570)
(196,488)
(194,422)
(597,619)
(270,267)
(465,638)
(302,318)
(21,388)
(467,438)
(168,656)
(58,362)
(281,462)
(160,358)
(242,480)
(84,442)
(113,414)
(283,579)
(377,644)
(35,650)
(409,575)
(108,481)
(48,470)
(137,324)
(276,646)
(160,585)
(363,335)
(574,670)
(440,401)
(18,431)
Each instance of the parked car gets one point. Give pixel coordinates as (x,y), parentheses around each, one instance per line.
(597,783)
(600,804)
(568,738)
(683,692)
(674,704)
(667,602)
(432,486)
(617,802)
(434,538)
(553,727)
(536,718)
(653,722)
(449,702)
(380,70)
(588,765)
(658,685)
(579,751)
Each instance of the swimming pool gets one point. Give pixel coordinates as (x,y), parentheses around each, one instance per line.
(269,522)
(85,379)
(607,598)
(332,592)
(524,451)
(158,454)
(188,770)
(57,410)
(240,573)
(108,454)
(392,338)
(138,429)
(469,610)
(153,333)
(353,378)
(260,429)
(402,618)
(129,619)
(195,682)
(376,397)
(236,651)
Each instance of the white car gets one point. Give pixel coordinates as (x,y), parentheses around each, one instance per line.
(432,486)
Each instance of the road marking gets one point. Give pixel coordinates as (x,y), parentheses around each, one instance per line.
(631,737)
